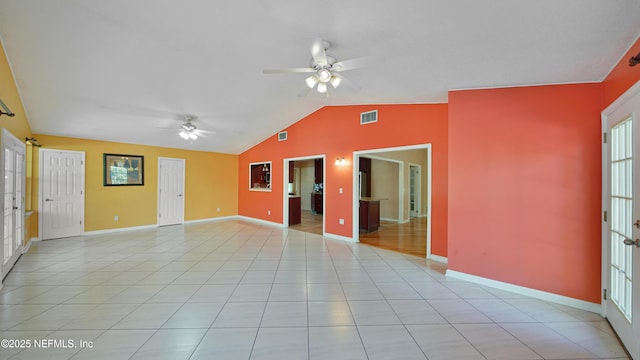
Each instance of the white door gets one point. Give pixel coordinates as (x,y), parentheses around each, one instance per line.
(622,267)
(13,179)
(62,193)
(170,191)
(414,190)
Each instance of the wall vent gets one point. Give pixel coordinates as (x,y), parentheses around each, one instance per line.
(282,136)
(369,117)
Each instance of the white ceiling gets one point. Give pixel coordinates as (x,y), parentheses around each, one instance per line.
(122,70)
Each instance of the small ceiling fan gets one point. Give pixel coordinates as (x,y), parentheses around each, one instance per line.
(325,68)
(188,130)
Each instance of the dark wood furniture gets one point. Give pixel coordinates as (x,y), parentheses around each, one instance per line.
(318,171)
(365,166)
(369,215)
(316,202)
(292,171)
(294,210)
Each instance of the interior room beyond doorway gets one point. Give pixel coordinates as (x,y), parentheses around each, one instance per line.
(305,192)
(395,183)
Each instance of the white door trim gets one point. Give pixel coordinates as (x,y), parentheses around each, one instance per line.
(630,93)
(41,151)
(356,195)
(13,143)
(627,335)
(184,180)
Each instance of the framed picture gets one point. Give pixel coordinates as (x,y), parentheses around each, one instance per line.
(123,170)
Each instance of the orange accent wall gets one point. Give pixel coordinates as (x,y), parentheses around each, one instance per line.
(336,132)
(622,77)
(525,187)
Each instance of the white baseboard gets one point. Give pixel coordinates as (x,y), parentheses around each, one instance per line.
(259,221)
(338,237)
(538,294)
(26,248)
(389,220)
(438,258)
(221,218)
(130,228)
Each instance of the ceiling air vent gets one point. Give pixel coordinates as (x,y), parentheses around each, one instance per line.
(369,117)
(282,136)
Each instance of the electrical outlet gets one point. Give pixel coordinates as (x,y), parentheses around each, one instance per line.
(340,191)
(115,218)
(341,221)
(268,212)
(218,209)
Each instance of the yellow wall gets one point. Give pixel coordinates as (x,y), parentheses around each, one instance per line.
(17,125)
(211,182)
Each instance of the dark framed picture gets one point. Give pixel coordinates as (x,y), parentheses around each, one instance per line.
(123,170)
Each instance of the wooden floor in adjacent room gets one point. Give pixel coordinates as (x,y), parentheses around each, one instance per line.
(310,223)
(408,238)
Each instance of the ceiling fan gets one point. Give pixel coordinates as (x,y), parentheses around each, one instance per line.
(188,130)
(325,68)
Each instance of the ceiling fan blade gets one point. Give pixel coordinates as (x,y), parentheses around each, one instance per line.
(349,64)
(289,70)
(348,84)
(318,52)
(304,91)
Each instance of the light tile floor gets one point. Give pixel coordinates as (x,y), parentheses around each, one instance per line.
(237,290)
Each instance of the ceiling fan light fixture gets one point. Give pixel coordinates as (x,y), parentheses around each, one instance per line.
(335,81)
(324,75)
(184,134)
(312,81)
(322,87)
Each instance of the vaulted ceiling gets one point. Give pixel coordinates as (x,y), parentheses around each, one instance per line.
(129,71)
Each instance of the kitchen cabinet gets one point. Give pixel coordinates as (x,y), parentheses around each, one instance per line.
(318,171)
(294,210)
(316,202)
(365,170)
(369,215)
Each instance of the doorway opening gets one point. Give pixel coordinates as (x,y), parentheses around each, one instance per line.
(304,194)
(392,205)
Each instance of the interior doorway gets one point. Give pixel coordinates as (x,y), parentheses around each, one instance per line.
(13,196)
(404,226)
(61,205)
(170,191)
(304,194)
(621,227)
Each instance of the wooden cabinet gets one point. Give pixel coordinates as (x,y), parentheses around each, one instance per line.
(294,210)
(369,215)
(291,171)
(316,202)
(318,171)
(365,167)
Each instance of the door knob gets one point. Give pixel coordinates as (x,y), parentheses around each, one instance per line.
(47,199)
(630,242)
(637,224)
(179,195)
